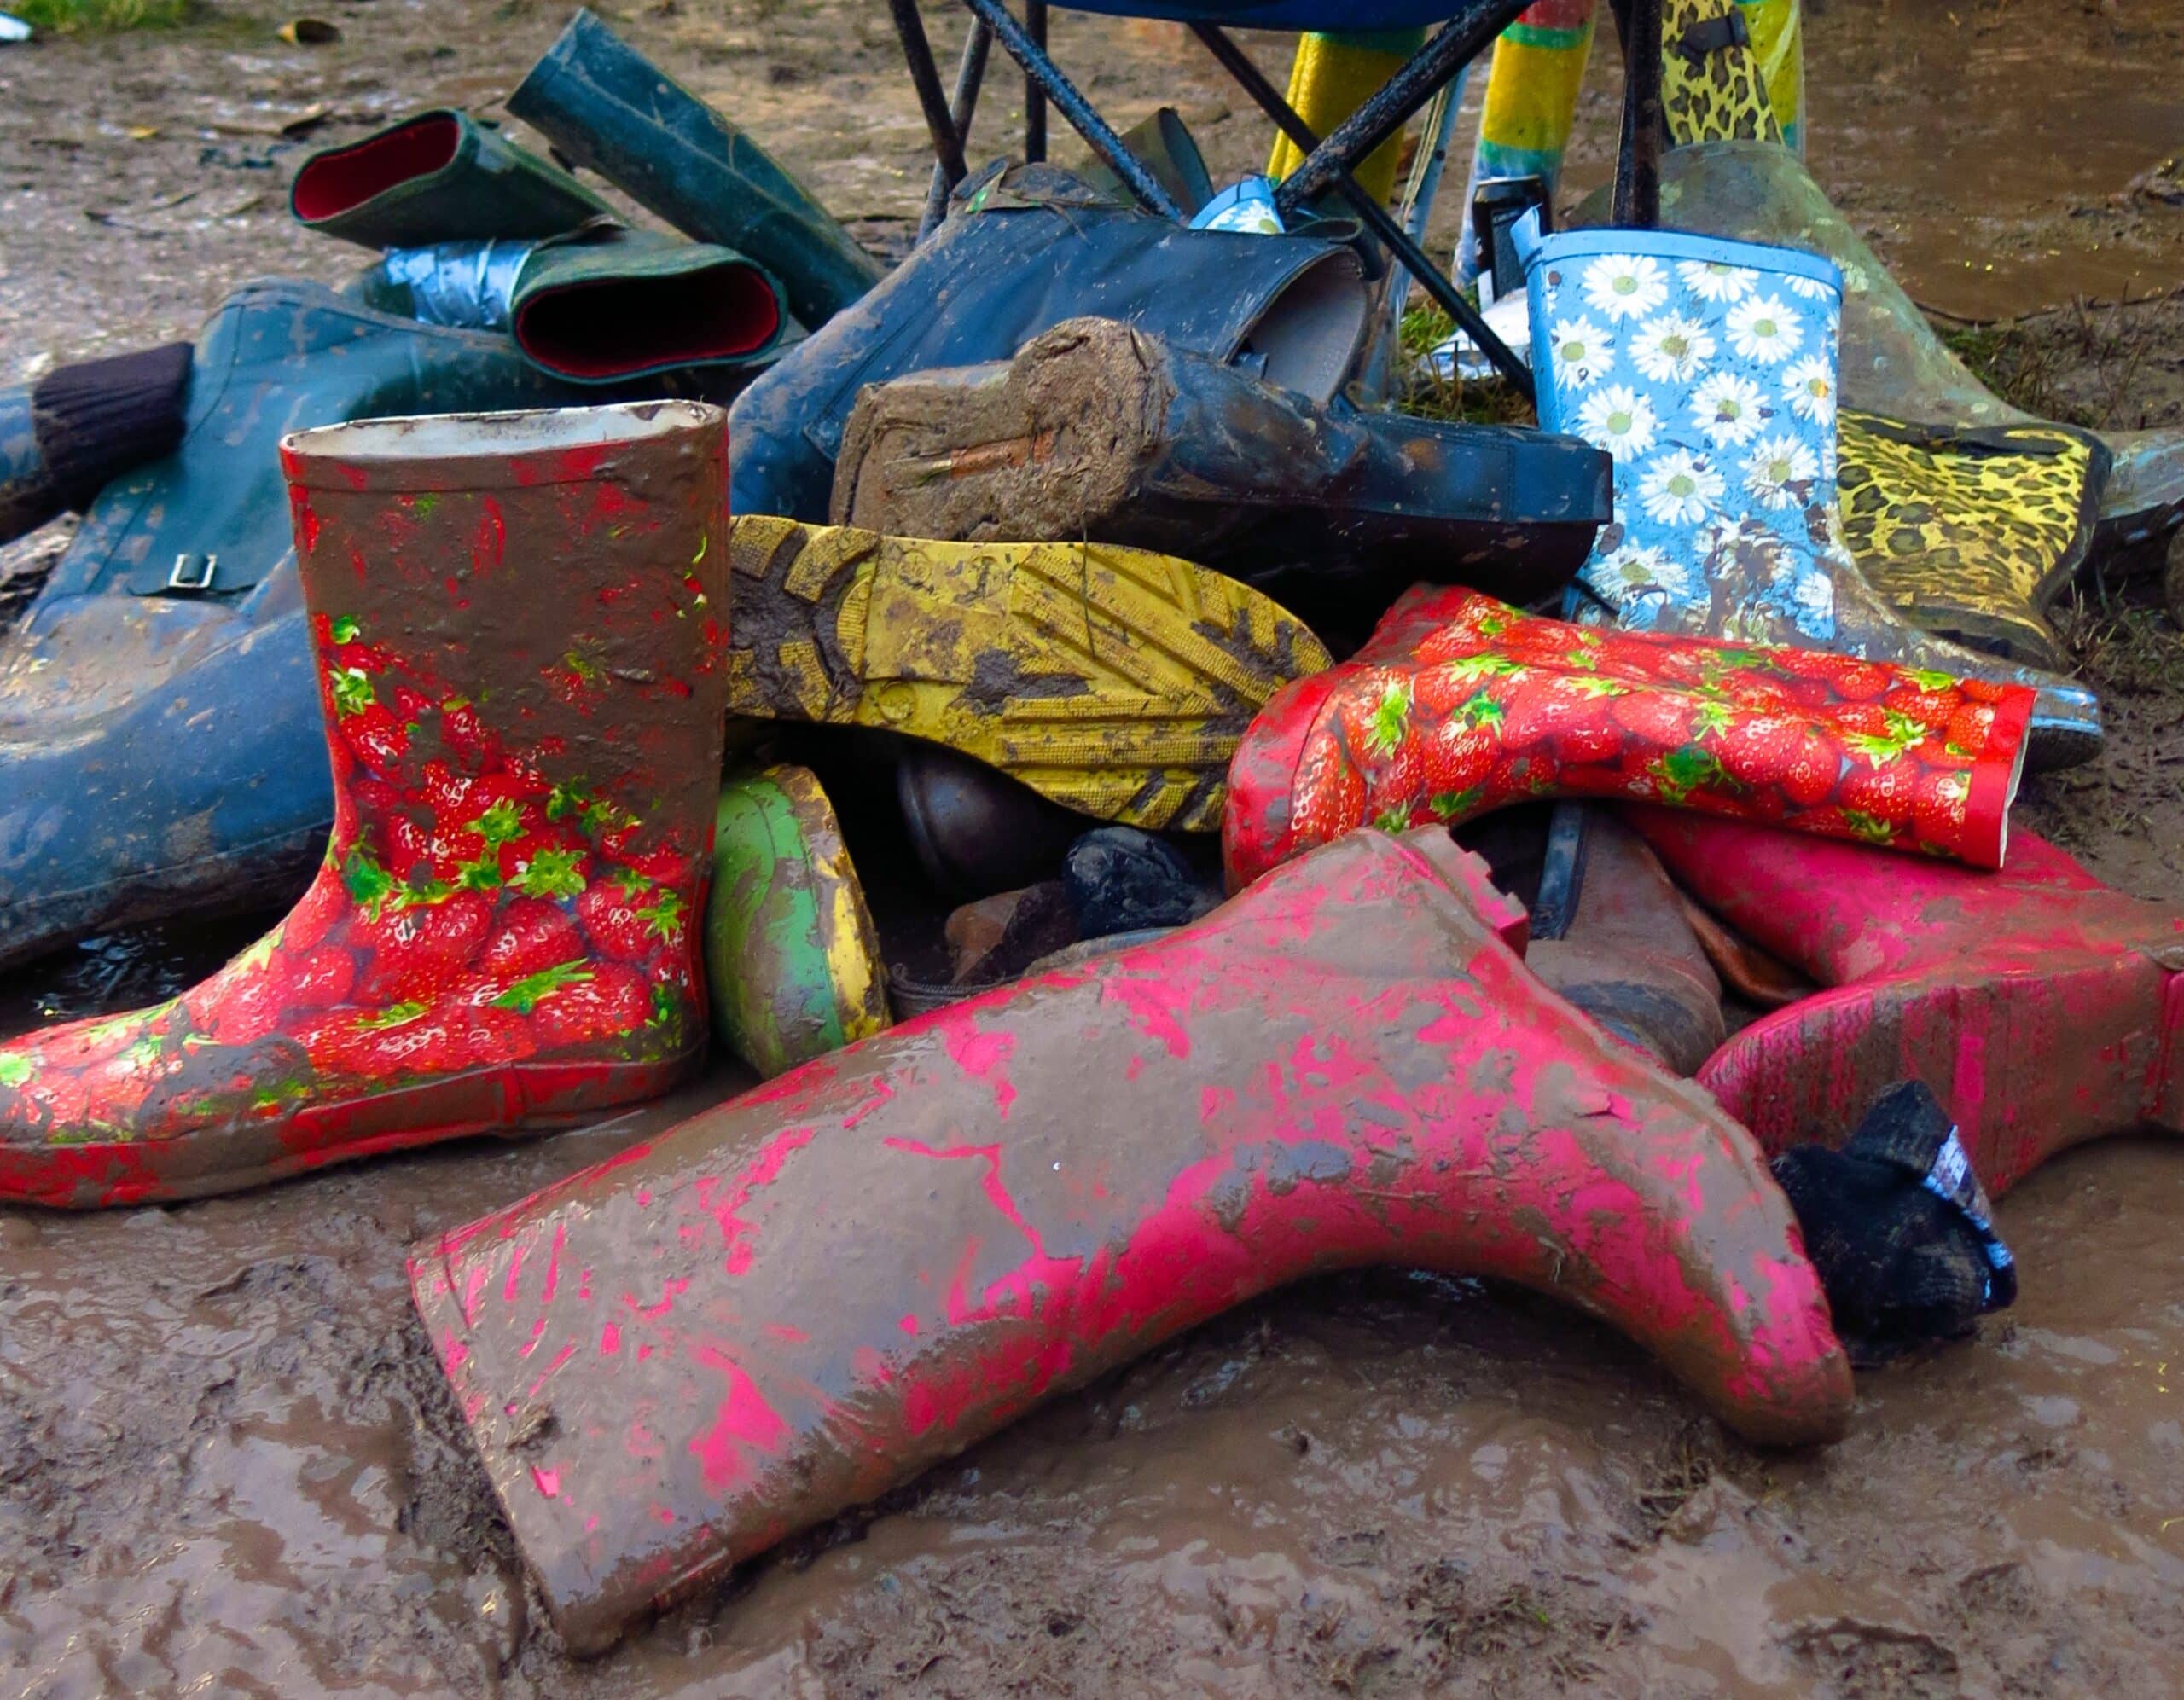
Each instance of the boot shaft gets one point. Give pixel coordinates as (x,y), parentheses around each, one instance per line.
(814,1292)
(517,614)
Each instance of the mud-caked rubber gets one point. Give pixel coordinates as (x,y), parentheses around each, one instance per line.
(1113,680)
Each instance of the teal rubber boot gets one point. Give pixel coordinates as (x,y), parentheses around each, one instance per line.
(440,176)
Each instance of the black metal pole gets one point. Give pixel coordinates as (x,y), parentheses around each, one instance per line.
(970,74)
(1035,101)
(1466,35)
(1377,219)
(947,145)
(1041,71)
(1637,203)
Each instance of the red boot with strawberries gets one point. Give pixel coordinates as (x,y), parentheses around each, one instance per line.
(517,623)
(1460,704)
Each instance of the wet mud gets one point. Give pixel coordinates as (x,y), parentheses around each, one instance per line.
(228,1461)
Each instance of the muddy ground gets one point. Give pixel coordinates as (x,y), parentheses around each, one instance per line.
(227,1465)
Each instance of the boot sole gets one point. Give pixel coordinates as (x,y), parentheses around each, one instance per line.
(1113,680)
(511,1102)
(1987,1041)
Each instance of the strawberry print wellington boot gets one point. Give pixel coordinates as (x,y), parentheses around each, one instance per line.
(2042,1008)
(1459,705)
(1708,370)
(801,1299)
(522,664)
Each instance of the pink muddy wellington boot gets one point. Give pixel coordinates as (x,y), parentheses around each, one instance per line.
(523,673)
(792,1304)
(2042,1008)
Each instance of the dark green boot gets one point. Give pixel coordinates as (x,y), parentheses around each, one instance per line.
(611,110)
(64,437)
(440,176)
(598,306)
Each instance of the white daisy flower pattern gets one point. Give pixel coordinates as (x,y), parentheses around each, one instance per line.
(1808,384)
(1812,602)
(1671,349)
(1618,419)
(1626,285)
(1764,328)
(1583,352)
(1711,280)
(1638,570)
(1729,407)
(1679,488)
(1811,288)
(1776,469)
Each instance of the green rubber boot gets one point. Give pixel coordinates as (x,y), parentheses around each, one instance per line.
(792,964)
(440,176)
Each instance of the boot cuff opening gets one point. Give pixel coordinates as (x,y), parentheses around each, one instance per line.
(474,450)
(344,179)
(1310,331)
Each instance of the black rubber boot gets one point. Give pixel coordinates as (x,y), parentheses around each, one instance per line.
(78,426)
(1023,250)
(161,751)
(1098,430)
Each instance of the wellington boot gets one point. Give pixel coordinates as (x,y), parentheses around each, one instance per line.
(1023,250)
(2042,1008)
(601,305)
(1491,706)
(975,831)
(161,754)
(1708,368)
(1165,145)
(522,679)
(1330,77)
(1629,958)
(807,1296)
(440,176)
(612,111)
(1098,431)
(1895,366)
(792,960)
(65,437)
(1109,680)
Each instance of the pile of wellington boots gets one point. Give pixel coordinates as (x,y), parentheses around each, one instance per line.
(1134,824)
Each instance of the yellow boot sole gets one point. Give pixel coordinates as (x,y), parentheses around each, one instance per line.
(1114,680)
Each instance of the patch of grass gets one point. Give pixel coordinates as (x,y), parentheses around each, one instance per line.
(2122,643)
(97,17)
(1431,395)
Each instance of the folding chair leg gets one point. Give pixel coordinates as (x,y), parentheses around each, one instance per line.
(1041,71)
(1377,219)
(925,77)
(1637,205)
(970,75)
(1034,101)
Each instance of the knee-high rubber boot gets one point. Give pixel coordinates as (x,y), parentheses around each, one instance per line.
(1329,78)
(612,111)
(790,1304)
(1114,682)
(2043,1008)
(516,623)
(65,437)
(440,176)
(1708,370)
(1488,706)
(602,305)
(2043,502)
(1531,104)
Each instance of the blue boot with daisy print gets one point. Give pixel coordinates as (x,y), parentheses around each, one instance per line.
(1707,368)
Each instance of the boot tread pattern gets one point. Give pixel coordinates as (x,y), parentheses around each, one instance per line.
(1111,680)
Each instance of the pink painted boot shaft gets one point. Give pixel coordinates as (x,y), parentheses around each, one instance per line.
(792,1304)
